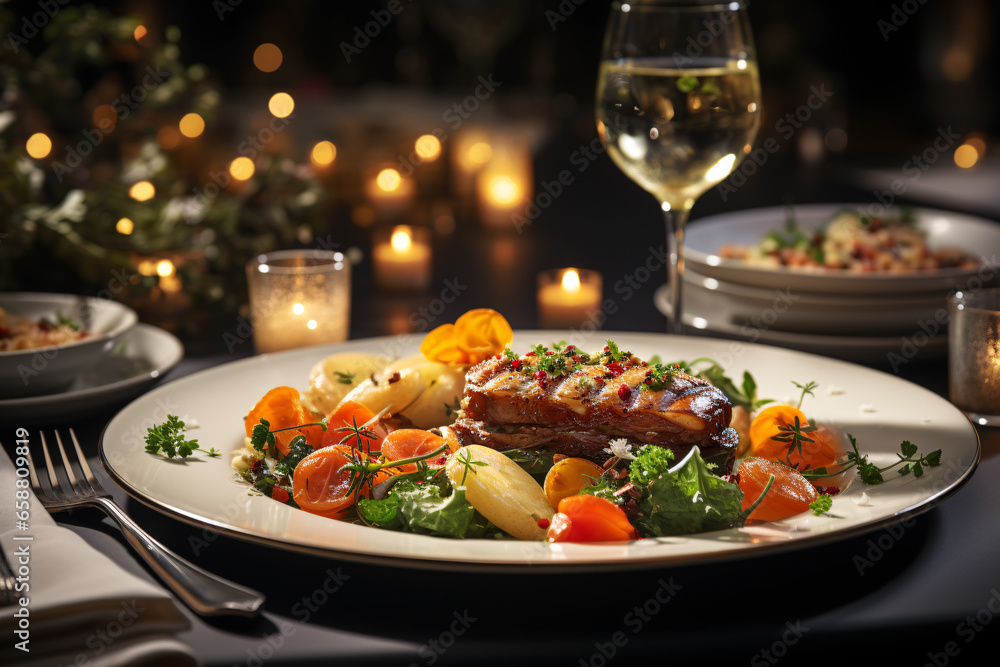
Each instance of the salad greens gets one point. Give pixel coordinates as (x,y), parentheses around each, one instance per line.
(426,509)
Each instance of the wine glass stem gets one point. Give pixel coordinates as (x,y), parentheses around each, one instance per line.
(675,219)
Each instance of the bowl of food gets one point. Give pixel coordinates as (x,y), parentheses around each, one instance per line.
(46,340)
(842,249)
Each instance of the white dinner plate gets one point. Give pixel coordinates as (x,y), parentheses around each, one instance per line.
(715,315)
(138,360)
(704,236)
(879,409)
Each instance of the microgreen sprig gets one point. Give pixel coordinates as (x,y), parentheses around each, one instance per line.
(806,388)
(262,435)
(794,435)
(169,439)
(870,473)
(363,469)
(468,463)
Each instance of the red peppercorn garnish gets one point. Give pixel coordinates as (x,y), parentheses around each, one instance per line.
(615,368)
(540,375)
(543,523)
(607,349)
(549,353)
(648,380)
(577,373)
(530,353)
(515,363)
(599,381)
(828,490)
(644,363)
(279,494)
(257,465)
(499,356)
(624,392)
(577,358)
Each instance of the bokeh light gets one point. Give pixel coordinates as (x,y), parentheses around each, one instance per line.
(125,226)
(165,268)
(966,156)
(281,105)
(169,137)
(105,117)
(39,145)
(139,32)
(241,168)
(267,57)
(323,153)
(192,125)
(389,180)
(428,147)
(142,191)
(503,190)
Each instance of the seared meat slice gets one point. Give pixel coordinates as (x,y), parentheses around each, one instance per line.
(579,413)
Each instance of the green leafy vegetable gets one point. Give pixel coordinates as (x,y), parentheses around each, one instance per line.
(382,513)
(298,449)
(821,505)
(650,462)
(421,508)
(169,439)
(689,500)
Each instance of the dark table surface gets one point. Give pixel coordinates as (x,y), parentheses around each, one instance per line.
(932,586)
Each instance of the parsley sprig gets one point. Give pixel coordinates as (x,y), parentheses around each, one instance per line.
(870,473)
(168,438)
(262,435)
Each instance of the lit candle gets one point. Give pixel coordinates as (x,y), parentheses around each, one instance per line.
(974,354)
(504,188)
(402,259)
(470,152)
(389,191)
(299,298)
(568,297)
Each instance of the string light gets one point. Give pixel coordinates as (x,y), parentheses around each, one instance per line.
(192,125)
(142,191)
(39,145)
(267,57)
(323,153)
(281,105)
(241,168)
(165,268)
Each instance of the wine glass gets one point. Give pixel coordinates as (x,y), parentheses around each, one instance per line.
(678,106)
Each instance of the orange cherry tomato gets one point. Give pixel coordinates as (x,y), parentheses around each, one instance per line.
(586,518)
(282,407)
(790,494)
(405,443)
(568,477)
(823,451)
(320,483)
(346,414)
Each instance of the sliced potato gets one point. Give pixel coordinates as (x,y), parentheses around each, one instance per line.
(332,378)
(501,491)
(393,389)
(436,405)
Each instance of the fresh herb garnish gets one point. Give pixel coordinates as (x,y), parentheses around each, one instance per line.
(794,435)
(168,438)
(262,435)
(344,378)
(870,473)
(468,463)
(650,462)
(659,376)
(214,453)
(822,504)
(806,388)
(716,374)
(62,320)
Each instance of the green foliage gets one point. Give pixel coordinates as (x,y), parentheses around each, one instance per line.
(650,462)
(168,438)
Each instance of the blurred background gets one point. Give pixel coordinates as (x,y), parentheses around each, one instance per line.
(148,150)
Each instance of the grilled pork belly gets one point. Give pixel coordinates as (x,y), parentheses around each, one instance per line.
(578,413)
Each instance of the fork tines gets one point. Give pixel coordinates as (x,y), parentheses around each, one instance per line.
(83,486)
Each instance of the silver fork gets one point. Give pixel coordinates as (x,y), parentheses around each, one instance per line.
(7,581)
(206,593)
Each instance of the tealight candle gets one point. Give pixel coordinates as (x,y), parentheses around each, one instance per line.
(568,297)
(389,191)
(402,259)
(974,354)
(299,298)
(504,188)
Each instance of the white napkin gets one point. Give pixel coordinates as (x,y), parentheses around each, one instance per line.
(82,607)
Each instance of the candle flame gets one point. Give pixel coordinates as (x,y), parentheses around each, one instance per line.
(503,190)
(298,308)
(388,180)
(401,239)
(571,280)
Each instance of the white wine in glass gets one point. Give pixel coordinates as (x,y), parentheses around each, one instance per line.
(678,106)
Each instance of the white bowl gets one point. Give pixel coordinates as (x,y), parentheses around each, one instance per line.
(792,309)
(704,236)
(49,369)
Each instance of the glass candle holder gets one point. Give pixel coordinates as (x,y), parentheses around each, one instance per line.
(569,298)
(299,298)
(401,257)
(974,354)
